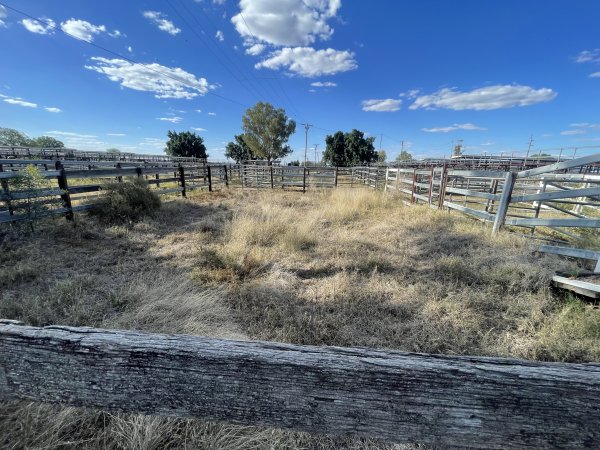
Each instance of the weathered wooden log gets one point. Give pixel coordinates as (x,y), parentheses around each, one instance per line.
(403,397)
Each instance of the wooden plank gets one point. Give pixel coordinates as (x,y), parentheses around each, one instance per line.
(472,193)
(581,223)
(45,174)
(571,193)
(443,401)
(569,164)
(580,287)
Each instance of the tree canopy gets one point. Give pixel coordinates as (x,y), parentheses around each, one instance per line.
(349,149)
(404,156)
(267,130)
(185,144)
(381,156)
(10,136)
(46,142)
(239,150)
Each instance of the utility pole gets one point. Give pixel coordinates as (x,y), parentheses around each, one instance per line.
(306,128)
(380,140)
(531,141)
(316,145)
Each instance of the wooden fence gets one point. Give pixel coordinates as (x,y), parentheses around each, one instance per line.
(556,200)
(74,185)
(444,401)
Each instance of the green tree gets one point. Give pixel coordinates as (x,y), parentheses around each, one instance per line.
(404,156)
(381,156)
(113,151)
(349,149)
(186,144)
(35,192)
(10,136)
(238,150)
(46,142)
(335,150)
(267,130)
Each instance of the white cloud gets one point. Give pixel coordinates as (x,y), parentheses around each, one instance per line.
(199,129)
(129,49)
(163,24)
(308,62)
(585,125)
(116,134)
(71,134)
(20,102)
(3,15)
(41,26)
(455,127)
(219,2)
(595,75)
(212,113)
(175,119)
(572,132)
(198,110)
(81,29)
(220,36)
(52,109)
(285,22)
(323,84)
(255,49)
(165,82)
(116,34)
(586,56)
(486,98)
(381,105)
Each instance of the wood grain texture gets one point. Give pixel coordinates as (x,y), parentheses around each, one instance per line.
(444,401)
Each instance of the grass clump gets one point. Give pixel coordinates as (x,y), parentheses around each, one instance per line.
(126,203)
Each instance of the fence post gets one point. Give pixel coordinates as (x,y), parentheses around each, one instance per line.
(387,174)
(397,179)
(304,179)
(209,179)
(431,176)
(63,185)
(271,173)
(181,171)
(5,188)
(119,178)
(157,176)
(335,177)
(414,186)
(138,172)
(509,182)
(226,176)
(443,183)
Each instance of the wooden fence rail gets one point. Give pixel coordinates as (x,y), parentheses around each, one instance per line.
(67,177)
(440,400)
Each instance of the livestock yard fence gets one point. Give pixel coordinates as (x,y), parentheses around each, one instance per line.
(444,401)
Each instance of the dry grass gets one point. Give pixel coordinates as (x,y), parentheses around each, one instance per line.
(347,267)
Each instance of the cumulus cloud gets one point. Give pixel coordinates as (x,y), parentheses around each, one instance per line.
(41,26)
(82,29)
(323,84)
(586,56)
(212,113)
(170,119)
(160,20)
(52,109)
(455,127)
(595,75)
(486,98)
(285,22)
(381,105)
(116,134)
(220,36)
(164,82)
(255,49)
(20,102)
(199,129)
(308,62)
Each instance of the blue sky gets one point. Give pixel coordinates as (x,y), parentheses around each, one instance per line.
(425,72)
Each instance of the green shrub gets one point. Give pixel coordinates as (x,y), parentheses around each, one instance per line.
(126,203)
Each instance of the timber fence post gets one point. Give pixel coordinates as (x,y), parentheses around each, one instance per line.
(63,185)
(335,177)
(304,179)
(181,171)
(226,176)
(209,179)
(271,173)
(6,189)
(509,182)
